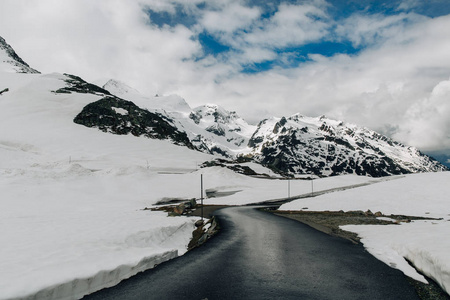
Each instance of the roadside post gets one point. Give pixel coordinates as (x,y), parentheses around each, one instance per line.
(201,192)
(289,188)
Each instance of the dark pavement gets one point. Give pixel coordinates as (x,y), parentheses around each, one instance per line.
(258,255)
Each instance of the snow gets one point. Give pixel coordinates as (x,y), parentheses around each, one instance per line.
(71,208)
(422,242)
(253,190)
(171,103)
(72,200)
(72,216)
(120,111)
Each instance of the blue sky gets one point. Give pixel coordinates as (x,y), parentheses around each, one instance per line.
(335,12)
(384,65)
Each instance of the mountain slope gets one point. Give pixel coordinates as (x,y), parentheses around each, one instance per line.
(296,145)
(11,62)
(289,146)
(115,115)
(73,197)
(324,147)
(210,128)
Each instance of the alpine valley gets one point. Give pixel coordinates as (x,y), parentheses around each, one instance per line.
(289,146)
(87,169)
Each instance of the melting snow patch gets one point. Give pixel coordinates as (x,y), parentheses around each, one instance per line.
(120,111)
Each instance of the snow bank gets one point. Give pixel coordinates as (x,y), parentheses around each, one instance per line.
(60,245)
(71,206)
(423,243)
(77,288)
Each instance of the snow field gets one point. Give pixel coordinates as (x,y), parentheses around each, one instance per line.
(72,198)
(254,190)
(72,228)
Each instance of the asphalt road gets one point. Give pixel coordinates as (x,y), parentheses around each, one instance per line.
(258,255)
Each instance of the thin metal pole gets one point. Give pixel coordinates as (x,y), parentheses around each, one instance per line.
(289,188)
(312,187)
(201,192)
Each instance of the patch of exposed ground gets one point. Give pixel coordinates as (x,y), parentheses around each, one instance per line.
(208,210)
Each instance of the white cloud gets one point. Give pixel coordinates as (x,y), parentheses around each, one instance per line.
(392,88)
(426,122)
(99,39)
(290,25)
(229,18)
(408,4)
(367,30)
(399,86)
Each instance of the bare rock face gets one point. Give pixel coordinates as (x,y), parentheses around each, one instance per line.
(118,116)
(200,235)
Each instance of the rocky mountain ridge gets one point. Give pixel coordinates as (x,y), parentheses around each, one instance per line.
(325,147)
(289,146)
(298,144)
(12,61)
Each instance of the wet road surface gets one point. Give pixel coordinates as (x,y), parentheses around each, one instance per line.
(258,255)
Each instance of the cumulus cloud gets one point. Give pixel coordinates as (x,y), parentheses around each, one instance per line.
(397,83)
(363,30)
(290,25)
(426,122)
(390,88)
(97,39)
(229,17)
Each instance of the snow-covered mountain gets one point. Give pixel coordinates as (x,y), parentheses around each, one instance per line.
(79,162)
(210,128)
(220,131)
(289,146)
(11,62)
(325,147)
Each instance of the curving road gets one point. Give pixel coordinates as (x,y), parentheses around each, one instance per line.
(258,255)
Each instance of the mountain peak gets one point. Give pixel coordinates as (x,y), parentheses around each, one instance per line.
(213,113)
(119,88)
(10,61)
(324,147)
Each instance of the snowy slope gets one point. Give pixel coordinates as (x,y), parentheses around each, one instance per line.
(71,206)
(66,208)
(289,146)
(171,103)
(71,210)
(211,128)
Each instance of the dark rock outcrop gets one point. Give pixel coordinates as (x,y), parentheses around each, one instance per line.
(118,116)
